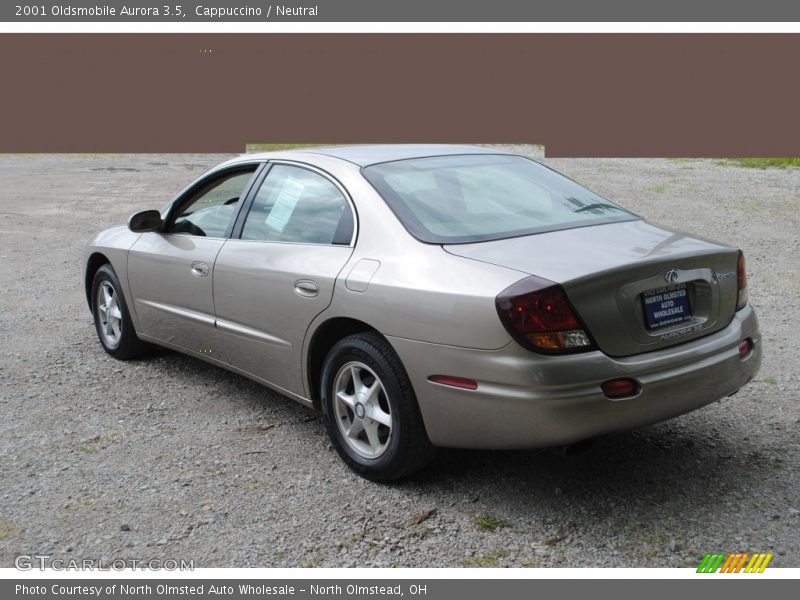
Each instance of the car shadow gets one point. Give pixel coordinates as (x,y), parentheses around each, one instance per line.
(619,478)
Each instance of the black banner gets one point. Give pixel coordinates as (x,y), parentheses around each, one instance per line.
(732,588)
(403,11)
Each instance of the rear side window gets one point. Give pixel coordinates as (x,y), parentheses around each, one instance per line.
(471,198)
(297,205)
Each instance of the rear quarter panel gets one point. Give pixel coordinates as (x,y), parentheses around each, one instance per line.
(418,291)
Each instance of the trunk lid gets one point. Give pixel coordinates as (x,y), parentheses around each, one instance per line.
(637,287)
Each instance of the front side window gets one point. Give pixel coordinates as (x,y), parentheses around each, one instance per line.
(299,206)
(472,198)
(211,209)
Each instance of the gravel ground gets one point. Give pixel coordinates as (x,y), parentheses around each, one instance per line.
(168,457)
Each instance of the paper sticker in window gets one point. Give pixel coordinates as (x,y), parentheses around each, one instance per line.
(284,205)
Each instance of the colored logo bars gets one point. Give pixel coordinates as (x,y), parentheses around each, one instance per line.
(744,562)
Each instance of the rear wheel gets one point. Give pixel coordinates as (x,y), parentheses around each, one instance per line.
(370,410)
(111,318)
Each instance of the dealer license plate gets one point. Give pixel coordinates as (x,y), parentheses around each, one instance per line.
(666,306)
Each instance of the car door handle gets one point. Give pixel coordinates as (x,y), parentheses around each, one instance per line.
(306,288)
(199,269)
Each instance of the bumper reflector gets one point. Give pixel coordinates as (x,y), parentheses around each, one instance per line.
(459,382)
(620,388)
(745,346)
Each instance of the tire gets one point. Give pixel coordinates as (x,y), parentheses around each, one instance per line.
(362,378)
(112,320)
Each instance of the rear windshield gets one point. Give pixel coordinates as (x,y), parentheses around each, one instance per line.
(473,198)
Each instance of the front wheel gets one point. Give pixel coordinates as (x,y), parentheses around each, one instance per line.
(370,410)
(111,318)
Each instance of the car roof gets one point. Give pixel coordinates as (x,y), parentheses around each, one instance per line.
(364,156)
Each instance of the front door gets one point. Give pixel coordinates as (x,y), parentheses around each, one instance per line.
(170,272)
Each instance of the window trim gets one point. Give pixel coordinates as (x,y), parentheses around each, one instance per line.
(244,212)
(176,204)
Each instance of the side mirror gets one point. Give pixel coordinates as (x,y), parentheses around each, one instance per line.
(147,220)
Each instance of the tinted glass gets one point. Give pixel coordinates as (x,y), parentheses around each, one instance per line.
(213,207)
(298,205)
(456,199)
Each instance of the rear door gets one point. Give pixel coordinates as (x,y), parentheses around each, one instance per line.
(170,272)
(279,269)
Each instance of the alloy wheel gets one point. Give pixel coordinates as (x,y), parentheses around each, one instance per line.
(362,410)
(109,314)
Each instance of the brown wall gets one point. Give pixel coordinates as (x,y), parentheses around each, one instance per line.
(579,94)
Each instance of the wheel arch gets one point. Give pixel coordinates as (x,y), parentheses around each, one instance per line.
(93,263)
(322,340)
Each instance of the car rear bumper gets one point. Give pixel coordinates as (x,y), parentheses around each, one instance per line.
(525,400)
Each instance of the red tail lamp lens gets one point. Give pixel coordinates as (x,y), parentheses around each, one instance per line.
(542,311)
(538,314)
(459,382)
(741,282)
(620,388)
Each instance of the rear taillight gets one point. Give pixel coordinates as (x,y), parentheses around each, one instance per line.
(538,314)
(741,282)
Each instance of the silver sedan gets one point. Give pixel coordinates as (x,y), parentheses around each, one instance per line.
(429,296)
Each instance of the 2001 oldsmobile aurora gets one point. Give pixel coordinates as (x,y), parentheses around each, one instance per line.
(426,296)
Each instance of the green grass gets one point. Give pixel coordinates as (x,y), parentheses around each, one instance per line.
(276,147)
(98,443)
(762,163)
(80,503)
(489,522)
(490,559)
(421,532)
(309,562)
(8,529)
(793,281)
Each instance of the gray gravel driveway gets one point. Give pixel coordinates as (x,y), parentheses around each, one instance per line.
(168,457)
